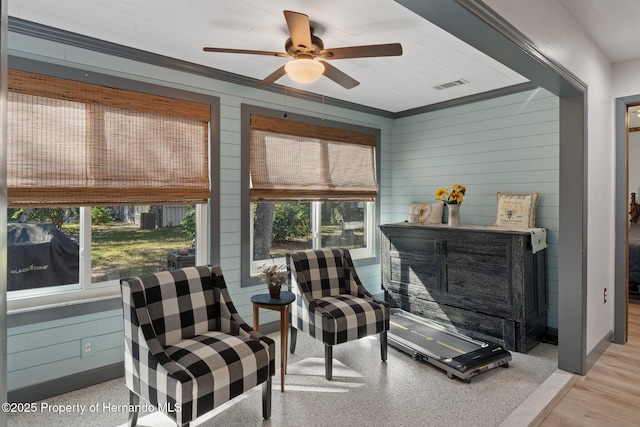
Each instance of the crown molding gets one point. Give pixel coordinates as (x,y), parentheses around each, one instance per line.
(21,26)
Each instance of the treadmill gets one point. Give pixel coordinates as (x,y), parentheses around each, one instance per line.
(459,355)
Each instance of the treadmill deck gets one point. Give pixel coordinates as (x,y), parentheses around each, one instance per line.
(457,354)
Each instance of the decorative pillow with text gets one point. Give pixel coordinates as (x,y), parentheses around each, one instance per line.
(516,210)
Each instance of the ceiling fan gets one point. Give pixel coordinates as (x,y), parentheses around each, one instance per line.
(304,48)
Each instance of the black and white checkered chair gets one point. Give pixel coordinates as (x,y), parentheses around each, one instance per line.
(331,303)
(187,350)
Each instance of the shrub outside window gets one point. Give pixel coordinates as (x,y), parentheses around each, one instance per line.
(283,227)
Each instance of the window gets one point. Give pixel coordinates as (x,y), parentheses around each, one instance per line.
(103,183)
(283,227)
(311,187)
(45,245)
(41,252)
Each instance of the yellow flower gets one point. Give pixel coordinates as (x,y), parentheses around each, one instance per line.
(455,197)
(441,193)
(459,188)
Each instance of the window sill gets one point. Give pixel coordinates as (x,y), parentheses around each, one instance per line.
(366,260)
(62,299)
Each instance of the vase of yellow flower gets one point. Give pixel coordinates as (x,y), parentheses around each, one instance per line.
(453,199)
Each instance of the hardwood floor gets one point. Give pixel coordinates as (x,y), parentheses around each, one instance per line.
(609,395)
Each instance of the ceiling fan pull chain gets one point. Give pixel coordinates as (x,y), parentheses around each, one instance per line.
(285,101)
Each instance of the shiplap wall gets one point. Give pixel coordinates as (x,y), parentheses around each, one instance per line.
(508,144)
(25,372)
(45,351)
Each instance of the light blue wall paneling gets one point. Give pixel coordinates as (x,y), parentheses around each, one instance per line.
(231,97)
(508,144)
(370,277)
(46,351)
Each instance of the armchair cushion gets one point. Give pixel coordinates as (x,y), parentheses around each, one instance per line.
(347,318)
(223,366)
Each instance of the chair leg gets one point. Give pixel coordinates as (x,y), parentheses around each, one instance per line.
(134,403)
(328,361)
(294,337)
(383,345)
(266,398)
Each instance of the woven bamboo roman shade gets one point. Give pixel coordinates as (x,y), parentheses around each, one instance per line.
(293,161)
(78,144)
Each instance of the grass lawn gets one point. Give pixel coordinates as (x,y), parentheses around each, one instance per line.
(123,250)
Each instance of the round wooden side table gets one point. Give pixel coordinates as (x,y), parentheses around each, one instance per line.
(282,305)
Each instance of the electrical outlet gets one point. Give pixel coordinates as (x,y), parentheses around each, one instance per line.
(87,347)
(605,295)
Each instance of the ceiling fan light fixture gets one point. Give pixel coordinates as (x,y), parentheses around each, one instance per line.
(304,70)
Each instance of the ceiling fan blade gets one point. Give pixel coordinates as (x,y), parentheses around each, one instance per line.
(367,51)
(271,78)
(250,52)
(339,77)
(300,29)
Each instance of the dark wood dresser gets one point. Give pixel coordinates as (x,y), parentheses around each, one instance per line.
(484,282)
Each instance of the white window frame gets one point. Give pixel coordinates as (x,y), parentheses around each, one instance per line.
(316,219)
(85,290)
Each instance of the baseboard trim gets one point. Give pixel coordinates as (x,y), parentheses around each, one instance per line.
(73,382)
(269,328)
(599,350)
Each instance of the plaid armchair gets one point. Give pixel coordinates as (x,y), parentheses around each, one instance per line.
(187,350)
(331,303)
